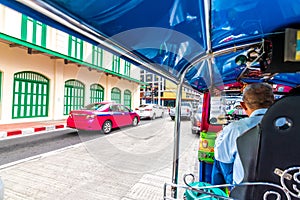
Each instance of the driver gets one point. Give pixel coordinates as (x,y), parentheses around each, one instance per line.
(227,167)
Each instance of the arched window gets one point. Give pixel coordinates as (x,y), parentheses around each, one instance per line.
(74,95)
(116,95)
(127,98)
(97,93)
(30,95)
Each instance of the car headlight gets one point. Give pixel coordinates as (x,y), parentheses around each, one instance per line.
(90,116)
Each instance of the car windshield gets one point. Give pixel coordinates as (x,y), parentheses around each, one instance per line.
(94,106)
(185,104)
(199,111)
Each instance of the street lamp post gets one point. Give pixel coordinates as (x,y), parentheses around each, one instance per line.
(152,94)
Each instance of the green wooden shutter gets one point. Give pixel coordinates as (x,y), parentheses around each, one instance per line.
(75,49)
(127,68)
(36,29)
(74,96)
(116,95)
(97,93)
(127,98)
(116,64)
(97,56)
(30,95)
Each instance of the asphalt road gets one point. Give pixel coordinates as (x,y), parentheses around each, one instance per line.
(14,149)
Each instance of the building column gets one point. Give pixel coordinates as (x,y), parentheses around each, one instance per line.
(58,91)
(107,89)
(7,97)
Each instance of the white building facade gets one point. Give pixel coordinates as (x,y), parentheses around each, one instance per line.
(45,73)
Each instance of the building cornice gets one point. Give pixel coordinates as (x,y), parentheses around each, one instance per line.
(35,49)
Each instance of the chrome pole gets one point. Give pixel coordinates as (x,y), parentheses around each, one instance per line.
(177,131)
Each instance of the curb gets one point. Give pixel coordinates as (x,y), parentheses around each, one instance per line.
(28,131)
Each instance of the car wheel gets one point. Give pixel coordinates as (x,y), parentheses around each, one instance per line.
(135,121)
(173,118)
(153,117)
(106,127)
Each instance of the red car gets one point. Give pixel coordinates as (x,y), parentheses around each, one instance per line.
(102,116)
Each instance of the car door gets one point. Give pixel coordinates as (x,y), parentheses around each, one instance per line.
(125,117)
(117,115)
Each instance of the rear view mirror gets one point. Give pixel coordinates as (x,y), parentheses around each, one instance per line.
(241,60)
(213,120)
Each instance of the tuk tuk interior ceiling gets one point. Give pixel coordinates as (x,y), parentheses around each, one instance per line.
(173,33)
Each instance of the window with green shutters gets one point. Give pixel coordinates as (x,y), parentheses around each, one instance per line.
(127,98)
(75,47)
(74,95)
(116,95)
(97,56)
(33,31)
(127,68)
(30,95)
(97,93)
(116,64)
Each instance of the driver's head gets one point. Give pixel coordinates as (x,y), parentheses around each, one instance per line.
(258,95)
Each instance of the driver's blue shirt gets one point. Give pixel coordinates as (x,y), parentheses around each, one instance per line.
(225,145)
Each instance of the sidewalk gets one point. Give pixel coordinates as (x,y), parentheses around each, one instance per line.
(17,129)
(92,171)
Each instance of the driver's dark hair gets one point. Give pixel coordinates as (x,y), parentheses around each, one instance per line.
(258,95)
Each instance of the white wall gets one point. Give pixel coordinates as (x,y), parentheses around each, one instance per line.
(135,72)
(61,42)
(12,23)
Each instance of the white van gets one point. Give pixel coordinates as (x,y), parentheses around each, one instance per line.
(186,111)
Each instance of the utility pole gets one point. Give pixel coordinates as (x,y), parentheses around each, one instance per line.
(152,94)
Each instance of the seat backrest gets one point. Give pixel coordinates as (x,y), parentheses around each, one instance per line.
(248,147)
(273,144)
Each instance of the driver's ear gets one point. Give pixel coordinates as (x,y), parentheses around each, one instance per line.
(243,105)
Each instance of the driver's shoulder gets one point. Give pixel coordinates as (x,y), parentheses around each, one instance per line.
(238,125)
